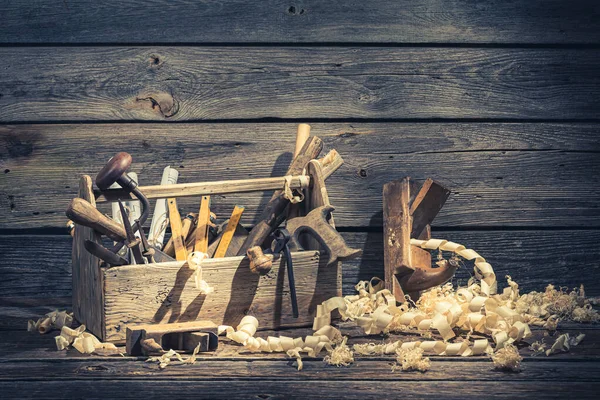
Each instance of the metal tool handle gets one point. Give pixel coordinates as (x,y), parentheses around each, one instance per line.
(103,253)
(83,213)
(282,244)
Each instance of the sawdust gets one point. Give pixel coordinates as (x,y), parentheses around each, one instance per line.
(507,358)
(538,348)
(411,360)
(341,355)
(557,304)
(369,349)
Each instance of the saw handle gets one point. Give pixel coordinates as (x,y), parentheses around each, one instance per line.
(83,213)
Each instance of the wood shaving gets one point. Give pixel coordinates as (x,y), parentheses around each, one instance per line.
(341,355)
(411,359)
(370,349)
(84,342)
(538,348)
(585,314)
(293,347)
(507,358)
(564,342)
(195,262)
(558,304)
(53,320)
(168,357)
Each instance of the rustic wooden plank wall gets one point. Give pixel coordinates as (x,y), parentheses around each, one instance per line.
(496,99)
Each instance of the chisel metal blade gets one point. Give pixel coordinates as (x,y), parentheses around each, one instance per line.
(132,242)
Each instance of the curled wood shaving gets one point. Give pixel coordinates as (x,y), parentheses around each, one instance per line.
(168,357)
(84,342)
(411,359)
(538,348)
(507,358)
(341,355)
(564,342)
(483,270)
(53,320)
(312,344)
(195,262)
(558,304)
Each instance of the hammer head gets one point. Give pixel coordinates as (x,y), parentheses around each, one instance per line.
(315,223)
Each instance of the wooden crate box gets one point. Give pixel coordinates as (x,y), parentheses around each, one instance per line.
(107,299)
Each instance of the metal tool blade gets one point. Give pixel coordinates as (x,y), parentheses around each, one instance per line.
(103,253)
(132,242)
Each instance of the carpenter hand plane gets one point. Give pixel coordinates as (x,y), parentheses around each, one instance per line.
(407,213)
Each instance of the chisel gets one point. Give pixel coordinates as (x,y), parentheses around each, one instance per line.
(176,234)
(236,215)
(201,244)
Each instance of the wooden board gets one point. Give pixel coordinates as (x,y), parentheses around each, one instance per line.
(500,174)
(327,389)
(197,83)
(378,21)
(254,370)
(87,282)
(161,293)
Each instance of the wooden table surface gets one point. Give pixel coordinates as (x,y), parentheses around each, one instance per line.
(498,100)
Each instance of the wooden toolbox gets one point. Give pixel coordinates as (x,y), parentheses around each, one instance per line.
(109,298)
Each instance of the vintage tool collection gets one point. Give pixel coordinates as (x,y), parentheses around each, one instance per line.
(141,292)
(137,281)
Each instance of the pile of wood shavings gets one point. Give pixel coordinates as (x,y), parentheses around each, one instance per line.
(477,308)
(507,358)
(411,360)
(556,304)
(341,355)
(53,320)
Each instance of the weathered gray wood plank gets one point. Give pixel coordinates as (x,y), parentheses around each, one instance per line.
(282,370)
(379,21)
(193,83)
(500,174)
(534,259)
(324,389)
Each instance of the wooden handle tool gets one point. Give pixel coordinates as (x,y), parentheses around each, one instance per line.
(176,234)
(187,224)
(236,215)
(83,213)
(201,244)
(302,136)
(273,213)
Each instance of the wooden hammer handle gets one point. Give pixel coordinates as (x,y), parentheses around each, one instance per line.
(83,213)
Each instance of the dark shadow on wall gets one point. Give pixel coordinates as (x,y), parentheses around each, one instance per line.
(371,262)
(279,169)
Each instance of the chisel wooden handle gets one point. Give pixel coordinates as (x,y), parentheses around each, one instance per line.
(83,213)
(176,233)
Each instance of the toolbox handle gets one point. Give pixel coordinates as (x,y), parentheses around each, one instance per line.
(205,188)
